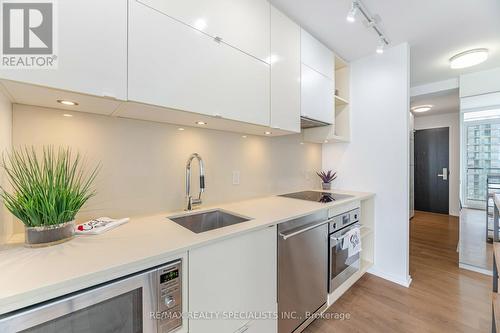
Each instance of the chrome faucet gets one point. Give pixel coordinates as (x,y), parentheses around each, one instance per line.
(190,202)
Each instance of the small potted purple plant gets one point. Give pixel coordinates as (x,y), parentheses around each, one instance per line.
(327,177)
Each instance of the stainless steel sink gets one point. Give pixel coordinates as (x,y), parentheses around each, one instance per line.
(208,220)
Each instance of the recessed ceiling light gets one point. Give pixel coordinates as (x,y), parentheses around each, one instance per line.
(302,143)
(421,108)
(468,58)
(180,129)
(66,102)
(268,133)
(67,115)
(326,141)
(201,123)
(244,136)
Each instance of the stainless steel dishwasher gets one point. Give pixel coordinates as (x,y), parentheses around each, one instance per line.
(302,271)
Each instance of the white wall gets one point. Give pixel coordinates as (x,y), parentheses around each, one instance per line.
(6,227)
(143,163)
(451,120)
(478,83)
(377,158)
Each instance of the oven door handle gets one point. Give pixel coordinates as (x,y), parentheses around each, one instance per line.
(357,225)
(308,227)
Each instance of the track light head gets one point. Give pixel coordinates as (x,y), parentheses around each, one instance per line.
(380,48)
(351,16)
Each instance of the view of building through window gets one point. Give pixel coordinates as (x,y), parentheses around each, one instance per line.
(482,130)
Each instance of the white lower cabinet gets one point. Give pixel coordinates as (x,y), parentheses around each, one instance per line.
(317,93)
(178,67)
(239,276)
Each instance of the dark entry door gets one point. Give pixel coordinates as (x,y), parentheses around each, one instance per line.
(432,170)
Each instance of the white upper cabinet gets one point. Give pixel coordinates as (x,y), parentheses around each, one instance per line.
(91,49)
(285,72)
(317,100)
(316,55)
(236,275)
(317,80)
(176,66)
(243,24)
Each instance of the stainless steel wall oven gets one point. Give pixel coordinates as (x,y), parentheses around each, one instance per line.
(341,265)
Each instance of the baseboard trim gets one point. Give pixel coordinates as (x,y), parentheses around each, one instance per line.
(475,269)
(402,282)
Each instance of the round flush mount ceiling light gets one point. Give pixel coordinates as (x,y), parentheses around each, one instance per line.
(421,108)
(468,58)
(66,102)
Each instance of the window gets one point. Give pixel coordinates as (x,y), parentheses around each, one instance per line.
(482,130)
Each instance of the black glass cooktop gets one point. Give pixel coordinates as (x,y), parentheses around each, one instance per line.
(323,197)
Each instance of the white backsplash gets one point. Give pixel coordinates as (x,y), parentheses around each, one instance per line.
(143,163)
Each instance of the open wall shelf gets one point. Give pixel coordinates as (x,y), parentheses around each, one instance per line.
(339,101)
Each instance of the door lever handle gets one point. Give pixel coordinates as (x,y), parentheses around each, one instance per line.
(444,174)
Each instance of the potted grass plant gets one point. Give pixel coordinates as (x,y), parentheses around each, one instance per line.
(327,177)
(48,190)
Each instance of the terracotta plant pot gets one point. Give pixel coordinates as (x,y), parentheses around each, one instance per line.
(49,235)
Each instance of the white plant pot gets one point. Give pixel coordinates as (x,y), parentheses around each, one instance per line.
(326,186)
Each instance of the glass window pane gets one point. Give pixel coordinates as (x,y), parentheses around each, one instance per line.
(482,156)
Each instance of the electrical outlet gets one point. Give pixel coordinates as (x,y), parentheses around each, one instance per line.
(236,178)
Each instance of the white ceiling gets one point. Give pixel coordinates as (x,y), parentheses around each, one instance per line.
(435,29)
(442,102)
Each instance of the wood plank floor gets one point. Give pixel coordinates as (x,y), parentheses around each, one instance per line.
(441,298)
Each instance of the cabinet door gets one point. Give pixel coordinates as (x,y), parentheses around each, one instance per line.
(244,24)
(285,72)
(91,50)
(234,275)
(317,93)
(316,55)
(176,66)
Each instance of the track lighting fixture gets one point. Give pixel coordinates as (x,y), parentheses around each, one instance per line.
(372,22)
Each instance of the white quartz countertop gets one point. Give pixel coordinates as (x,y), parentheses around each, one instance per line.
(30,276)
